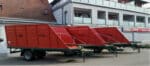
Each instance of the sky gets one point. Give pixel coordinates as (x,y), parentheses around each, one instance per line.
(146,6)
(50,0)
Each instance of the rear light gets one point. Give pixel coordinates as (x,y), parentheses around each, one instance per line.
(72,46)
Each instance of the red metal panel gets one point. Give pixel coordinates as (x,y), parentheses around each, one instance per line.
(43,36)
(64,39)
(85,35)
(32,38)
(53,39)
(39,36)
(11,36)
(21,36)
(64,35)
(112,35)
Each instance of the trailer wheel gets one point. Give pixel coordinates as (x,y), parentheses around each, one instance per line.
(69,53)
(98,50)
(28,55)
(41,55)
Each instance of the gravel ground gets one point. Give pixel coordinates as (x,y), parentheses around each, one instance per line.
(126,58)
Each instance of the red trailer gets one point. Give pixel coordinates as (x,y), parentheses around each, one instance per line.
(35,40)
(88,37)
(113,36)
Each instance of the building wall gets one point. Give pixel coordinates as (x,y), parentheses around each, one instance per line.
(67,19)
(145,37)
(141,36)
(136,36)
(31,9)
(94,10)
(129,36)
(60,14)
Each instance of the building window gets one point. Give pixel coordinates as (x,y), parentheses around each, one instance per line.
(45,11)
(113,16)
(82,16)
(1,40)
(113,19)
(101,17)
(140,19)
(1,7)
(149,20)
(128,20)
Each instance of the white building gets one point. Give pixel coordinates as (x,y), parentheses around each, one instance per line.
(99,13)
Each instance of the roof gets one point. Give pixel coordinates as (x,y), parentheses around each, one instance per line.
(54,2)
(8,20)
(142,1)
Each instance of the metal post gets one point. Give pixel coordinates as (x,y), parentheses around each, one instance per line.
(133,36)
(83,55)
(139,50)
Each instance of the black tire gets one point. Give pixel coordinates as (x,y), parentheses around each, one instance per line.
(41,55)
(98,50)
(69,53)
(28,55)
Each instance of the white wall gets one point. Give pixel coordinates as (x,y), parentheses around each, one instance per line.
(129,36)
(145,37)
(69,7)
(69,15)
(3,45)
(58,16)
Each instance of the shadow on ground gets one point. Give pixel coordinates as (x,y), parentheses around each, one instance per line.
(54,59)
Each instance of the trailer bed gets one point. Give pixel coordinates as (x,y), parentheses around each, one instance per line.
(39,36)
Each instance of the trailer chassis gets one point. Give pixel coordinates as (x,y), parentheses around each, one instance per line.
(133,45)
